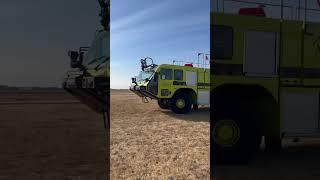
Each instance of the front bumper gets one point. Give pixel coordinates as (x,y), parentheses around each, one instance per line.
(94,94)
(141,91)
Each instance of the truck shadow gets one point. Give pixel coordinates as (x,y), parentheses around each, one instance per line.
(200,115)
(301,161)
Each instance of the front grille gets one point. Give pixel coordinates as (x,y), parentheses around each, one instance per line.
(165,92)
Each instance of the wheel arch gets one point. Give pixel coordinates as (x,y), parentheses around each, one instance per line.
(188,91)
(262,102)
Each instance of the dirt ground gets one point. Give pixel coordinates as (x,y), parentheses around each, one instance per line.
(150,143)
(50,136)
(53,136)
(297,161)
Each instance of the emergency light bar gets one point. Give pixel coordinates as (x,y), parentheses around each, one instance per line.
(188,65)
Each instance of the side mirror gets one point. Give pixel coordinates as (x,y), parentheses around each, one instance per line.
(133,80)
(74,59)
(73,55)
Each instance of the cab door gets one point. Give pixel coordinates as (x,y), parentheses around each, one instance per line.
(165,80)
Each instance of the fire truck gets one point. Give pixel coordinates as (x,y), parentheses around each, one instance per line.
(176,87)
(89,80)
(265,77)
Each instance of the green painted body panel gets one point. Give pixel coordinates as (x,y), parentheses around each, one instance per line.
(203,76)
(300,49)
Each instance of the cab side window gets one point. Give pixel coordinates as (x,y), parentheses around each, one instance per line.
(222,39)
(178,74)
(166,74)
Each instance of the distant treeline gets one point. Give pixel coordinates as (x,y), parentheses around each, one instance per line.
(5,87)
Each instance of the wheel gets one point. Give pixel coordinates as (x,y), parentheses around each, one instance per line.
(163,104)
(181,103)
(235,132)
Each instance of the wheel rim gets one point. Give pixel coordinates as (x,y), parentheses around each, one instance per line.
(180,103)
(226,133)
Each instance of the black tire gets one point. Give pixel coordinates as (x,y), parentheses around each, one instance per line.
(179,98)
(235,110)
(162,104)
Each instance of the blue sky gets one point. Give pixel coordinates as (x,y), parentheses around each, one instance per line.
(163,30)
(36,36)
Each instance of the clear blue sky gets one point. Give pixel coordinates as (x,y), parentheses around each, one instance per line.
(36,36)
(163,30)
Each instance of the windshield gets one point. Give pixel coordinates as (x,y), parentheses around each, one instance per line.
(98,50)
(144,75)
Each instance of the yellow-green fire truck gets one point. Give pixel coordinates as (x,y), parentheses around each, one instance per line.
(265,82)
(89,80)
(175,87)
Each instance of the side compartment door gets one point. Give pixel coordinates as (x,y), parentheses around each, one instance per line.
(203,88)
(191,78)
(165,80)
(300,112)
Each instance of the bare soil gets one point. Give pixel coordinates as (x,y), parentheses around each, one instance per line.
(300,160)
(50,136)
(151,143)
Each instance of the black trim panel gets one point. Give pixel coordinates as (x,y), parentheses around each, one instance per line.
(289,72)
(179,83)
(203,84)
(226,69)
(303,86)
(311,73)
(296,72)
(285,72)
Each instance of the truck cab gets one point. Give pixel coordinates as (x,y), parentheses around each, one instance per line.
(91,64)
(145,83)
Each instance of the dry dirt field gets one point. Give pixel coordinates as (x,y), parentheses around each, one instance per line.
(150,143)
(297,161)
(50,136)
